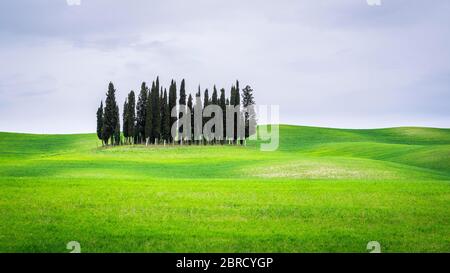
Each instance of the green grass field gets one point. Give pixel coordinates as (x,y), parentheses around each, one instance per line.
(324,190)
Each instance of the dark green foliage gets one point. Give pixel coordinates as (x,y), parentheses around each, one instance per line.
(111,115)
(172,102)
(131,118)
(100,121)
(214,101)
(165,128)
(247,96)
(205,104)
(150,115)
(182,93)
(182,101)
(250,116)
(232,95)
(232,103)
(214,98)
(150,118)
(190,105)
(206,98)
(125,119)
(197,105)
(237,99)
(222,104)
(141,113)
(156,126)
(117,140)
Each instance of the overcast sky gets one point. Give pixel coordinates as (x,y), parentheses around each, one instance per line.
(325,62)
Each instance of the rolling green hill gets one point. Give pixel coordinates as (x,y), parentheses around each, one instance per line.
(324,190)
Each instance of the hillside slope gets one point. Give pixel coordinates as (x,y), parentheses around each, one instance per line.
(323,190)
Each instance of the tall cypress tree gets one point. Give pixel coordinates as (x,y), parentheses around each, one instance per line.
(231,103)
(222,104)
(117,139)
(131,111)
(149,115)
(156,128)
(172,103)
(165,118)
(232,95)
(214,101)
(100,121)
(182,93)
(182,101)
(191,108)
(125,117)
(250,115)
(214,98)
(157,85)
(198,105)
(161,111)
(141,113)
(205,104)
(206,100)
(237,99)
(110,116)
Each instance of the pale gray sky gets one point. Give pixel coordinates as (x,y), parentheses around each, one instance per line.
(325,62)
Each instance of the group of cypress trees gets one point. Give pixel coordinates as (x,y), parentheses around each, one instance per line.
(149,120)
(108,120)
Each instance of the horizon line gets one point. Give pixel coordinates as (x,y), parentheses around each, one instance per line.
(281,124)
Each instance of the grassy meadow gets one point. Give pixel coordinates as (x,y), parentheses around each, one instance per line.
(323,190)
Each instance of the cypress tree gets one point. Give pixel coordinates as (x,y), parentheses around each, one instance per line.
(110,115)
(117,139)
(205,104)
(198,92)
(214,98)
(131,111)
(206,100)
(182,101)
(182,93)
(149,121)
(156,128)
(237,99)
(232,95)
(125,117)
(214,101)
(141,113)
(161,113)
(250,116)
(100,121)
(165,118)
(172,103)
(222,104)
(157,85)
(198,105)
(231,103)
(191,108)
